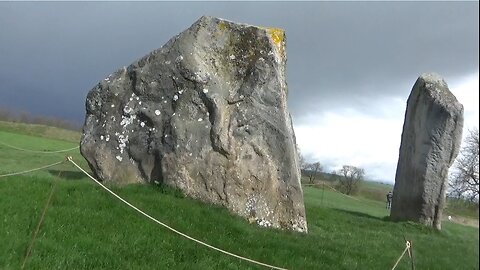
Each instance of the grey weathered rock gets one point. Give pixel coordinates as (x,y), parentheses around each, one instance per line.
(206,113)
(431,139)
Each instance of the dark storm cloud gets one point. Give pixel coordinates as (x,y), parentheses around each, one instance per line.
(339,53)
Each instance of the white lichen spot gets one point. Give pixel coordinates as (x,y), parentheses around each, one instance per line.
(190,154)
(113,105)
(165,101)
(205,90)
(179,58)
(139,103)
(107,138)
(175,98)
(241,96)
(142,124)
(137,98)
(166,135)
(180,92)
(101,137)
(167,62)
(264,223)
(126,121)
(200,119)
(173,114)
(127,110)
(232,57)
(119,158)
(122,142)
(157,112)
(131,99)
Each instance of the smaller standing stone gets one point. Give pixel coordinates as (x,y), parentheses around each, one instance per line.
(431,139)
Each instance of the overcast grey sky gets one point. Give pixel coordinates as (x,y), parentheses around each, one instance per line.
(349,63)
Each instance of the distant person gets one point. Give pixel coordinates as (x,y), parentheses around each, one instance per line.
(389,199)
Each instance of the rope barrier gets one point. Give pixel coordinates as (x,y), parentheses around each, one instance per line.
(403,253)
(332,188)
(41,152)
(32,170)
(168,227)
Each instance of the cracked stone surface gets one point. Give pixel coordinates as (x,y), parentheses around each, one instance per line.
(206,113)
(431,138)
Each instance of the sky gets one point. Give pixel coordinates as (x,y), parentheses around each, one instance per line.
(350,69)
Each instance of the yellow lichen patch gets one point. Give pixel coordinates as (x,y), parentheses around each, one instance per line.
(276,34)
(278,37)
(222,25)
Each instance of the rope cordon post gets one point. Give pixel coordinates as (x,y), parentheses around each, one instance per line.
(69,158)
(407,248)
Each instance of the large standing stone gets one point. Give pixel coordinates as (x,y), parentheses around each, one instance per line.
(431,139)
(206,113)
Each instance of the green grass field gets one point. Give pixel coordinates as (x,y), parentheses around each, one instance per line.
(86,228)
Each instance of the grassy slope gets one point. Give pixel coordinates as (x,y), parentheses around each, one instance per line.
(377,191)
(41,131)
(85,228)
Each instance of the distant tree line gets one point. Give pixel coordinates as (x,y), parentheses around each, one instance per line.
(347,179)
(9,115)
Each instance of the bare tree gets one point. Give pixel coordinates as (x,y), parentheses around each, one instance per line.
(313,170)
(301,159)
(350,177)
(5,115)
(464,178)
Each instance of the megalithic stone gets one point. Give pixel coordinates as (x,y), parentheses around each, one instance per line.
(431,139)
(207,114)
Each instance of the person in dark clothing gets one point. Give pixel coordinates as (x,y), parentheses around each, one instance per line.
(389,200)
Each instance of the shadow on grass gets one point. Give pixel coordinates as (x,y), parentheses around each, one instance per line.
(67,175)
(364,215)
(410,225)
